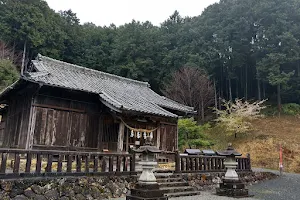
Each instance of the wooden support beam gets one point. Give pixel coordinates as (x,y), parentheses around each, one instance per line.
(158,137)
(58,108)
(100,133)
(120,137)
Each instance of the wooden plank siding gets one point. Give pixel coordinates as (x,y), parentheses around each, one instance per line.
(2,128)
(168,137)
(44,117)
(65,123)
(17,118)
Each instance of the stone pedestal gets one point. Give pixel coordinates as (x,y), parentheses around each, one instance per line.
(146,192)
(232,188)
(147,176)
(231,164)
(147,187)
(231,185)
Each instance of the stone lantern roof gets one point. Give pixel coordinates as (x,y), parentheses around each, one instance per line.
(147,148)
(230,151)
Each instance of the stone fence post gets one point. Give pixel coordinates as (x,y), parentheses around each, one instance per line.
(177,162)
(249,161)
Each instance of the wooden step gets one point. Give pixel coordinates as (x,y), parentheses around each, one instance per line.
(182,194)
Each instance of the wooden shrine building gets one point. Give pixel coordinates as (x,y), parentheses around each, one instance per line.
(61,106)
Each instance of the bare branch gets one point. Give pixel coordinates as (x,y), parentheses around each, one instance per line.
(191,86)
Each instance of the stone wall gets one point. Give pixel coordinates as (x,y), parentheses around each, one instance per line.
(66,188)
(208,181)
(90,188)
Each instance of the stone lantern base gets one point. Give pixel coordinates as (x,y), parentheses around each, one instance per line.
(232,188)
(146,192)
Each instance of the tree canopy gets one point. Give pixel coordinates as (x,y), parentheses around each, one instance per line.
(8,73)
(248,48)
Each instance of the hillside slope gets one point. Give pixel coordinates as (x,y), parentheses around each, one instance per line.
(264,141)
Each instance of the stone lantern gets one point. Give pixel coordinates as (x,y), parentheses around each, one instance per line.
(231,185)
(147,187)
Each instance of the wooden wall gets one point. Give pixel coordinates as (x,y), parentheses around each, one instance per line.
(109,139)
(168,137)
(17,117)
(60,122)
(2,128)
(54,118)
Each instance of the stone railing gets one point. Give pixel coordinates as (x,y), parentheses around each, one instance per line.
(18,163)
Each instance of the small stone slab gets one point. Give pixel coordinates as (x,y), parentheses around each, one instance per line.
(20,197)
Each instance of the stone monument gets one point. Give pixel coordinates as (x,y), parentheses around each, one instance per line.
(231,185)
(147,188)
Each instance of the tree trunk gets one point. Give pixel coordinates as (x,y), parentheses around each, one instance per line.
(258,90)
(226,89)
(13,53)
(23,59)
(237,89)
(230,90)
(258,86)
(219,99)
(202,110)
(298,67)
(279,99)
(246,83)
(216,97)
(264,89)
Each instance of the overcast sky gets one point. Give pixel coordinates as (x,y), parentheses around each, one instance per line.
(105,12)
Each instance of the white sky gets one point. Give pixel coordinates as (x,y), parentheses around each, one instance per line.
(105,12)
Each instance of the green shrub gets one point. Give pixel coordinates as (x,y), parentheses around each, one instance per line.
(291,109)
(270,110)
(191,135)
(287,109)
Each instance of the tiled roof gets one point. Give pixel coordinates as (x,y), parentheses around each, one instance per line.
(120,93)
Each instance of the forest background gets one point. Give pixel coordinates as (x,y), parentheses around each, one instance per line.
(235,49)
(247,48)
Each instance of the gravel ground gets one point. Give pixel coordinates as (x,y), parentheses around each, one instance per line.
(208,196)
(203,196)
(285,187)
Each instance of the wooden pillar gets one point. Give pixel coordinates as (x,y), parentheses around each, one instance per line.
(127,140)
(31,126)
(176,137)
(120,137)
(100,134)
(32,118)
(158,137)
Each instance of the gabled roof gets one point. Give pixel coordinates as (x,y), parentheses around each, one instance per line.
(118,93)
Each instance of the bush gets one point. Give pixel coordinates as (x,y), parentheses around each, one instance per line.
(191,135)
(291,109)
(236,116)
(270,110)
(287,109)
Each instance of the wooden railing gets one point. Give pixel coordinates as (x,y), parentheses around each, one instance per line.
(16,163)
(191,163)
